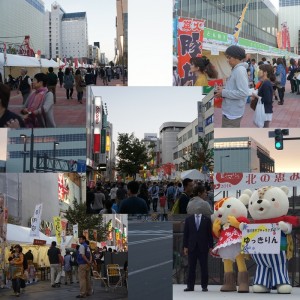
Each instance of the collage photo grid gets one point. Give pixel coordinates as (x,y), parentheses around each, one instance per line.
(143,159)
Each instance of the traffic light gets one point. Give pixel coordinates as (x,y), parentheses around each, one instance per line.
(278,139)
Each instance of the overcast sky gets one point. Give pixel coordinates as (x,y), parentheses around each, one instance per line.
(144,109)
(101,18)
(286,160)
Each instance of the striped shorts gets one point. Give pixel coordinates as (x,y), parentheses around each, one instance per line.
(271,269)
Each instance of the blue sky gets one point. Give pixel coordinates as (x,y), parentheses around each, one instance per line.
(101,16)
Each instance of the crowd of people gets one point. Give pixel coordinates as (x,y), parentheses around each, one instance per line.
(150,197)
(76,265)
(39,93)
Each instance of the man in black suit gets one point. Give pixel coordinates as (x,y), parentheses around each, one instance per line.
(197,242)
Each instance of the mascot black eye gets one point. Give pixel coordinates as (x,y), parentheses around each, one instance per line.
(273,199)
(228,206)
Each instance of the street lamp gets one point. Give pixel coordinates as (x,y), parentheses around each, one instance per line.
(223,156)
(24,136)
(54,153)
(122,49)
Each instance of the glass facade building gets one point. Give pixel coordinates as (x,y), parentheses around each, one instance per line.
(260,23)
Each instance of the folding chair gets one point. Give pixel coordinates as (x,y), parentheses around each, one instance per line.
(114,278)
(97,276)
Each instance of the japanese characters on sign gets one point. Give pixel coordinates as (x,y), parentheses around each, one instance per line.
(36,221)
(261,238)
(58,229)
(190,40)
(240,181)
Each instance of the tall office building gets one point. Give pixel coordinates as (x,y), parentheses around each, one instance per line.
(66,34)
(68,144)
(122,29)
(168,139)
(242,154)
(19,18)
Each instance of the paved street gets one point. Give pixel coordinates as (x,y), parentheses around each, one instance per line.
(284,116)
(43,290)
(215,294)
(150,260)
(67,113)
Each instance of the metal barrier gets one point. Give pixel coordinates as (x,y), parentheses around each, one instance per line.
(215,265)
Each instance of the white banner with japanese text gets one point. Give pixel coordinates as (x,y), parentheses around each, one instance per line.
(261,238)
(36,221)
(241,181)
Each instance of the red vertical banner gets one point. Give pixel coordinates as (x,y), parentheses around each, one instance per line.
(190,39)
(76,62)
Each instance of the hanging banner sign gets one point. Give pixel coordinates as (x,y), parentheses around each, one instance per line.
(58,229)
(190,39)
(241,181)
(36,220)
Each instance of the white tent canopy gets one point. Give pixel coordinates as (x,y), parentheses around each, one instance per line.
(21,235)
(26,61)
(192,174)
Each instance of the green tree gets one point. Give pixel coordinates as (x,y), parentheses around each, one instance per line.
(77,215)
(132,153)
(199,156)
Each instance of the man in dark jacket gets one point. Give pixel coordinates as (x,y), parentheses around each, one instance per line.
(185,195)
(52,82)
(197,242)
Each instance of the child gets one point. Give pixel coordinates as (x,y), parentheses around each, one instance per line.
(163,206)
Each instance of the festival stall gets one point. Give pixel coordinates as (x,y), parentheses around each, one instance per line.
(193,174)
(13,64)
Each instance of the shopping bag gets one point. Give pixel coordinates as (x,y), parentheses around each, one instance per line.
(259,114)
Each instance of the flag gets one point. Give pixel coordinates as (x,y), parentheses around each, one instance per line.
(4,53)
(36,221)
(75,231)
(238,25)
(58,229)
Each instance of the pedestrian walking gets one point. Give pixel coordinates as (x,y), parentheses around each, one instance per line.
(16,260)
(291,75)
(60,75)
(89,77)
(154,192)
(265,91)
(79,85)
(52,82)
(84,260)
(24,85)
(280,79)
(68,267)
(68,83)
(236,90)
(55,260)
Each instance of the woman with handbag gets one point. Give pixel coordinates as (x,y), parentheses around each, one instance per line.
(291,75)
(79,85)
(280,79)
(265,91)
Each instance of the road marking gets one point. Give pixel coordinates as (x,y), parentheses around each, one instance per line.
(149,268)
(151,240)
(131,232)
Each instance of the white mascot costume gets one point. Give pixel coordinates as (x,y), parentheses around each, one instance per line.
(270,205)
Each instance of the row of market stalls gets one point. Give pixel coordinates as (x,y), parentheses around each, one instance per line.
(11,64)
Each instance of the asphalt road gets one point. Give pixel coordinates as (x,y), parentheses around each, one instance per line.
(43,290)
(150,248)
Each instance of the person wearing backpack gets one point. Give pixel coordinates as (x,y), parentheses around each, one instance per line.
(68,267)
(68,83)
(84,260)
(55,260)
